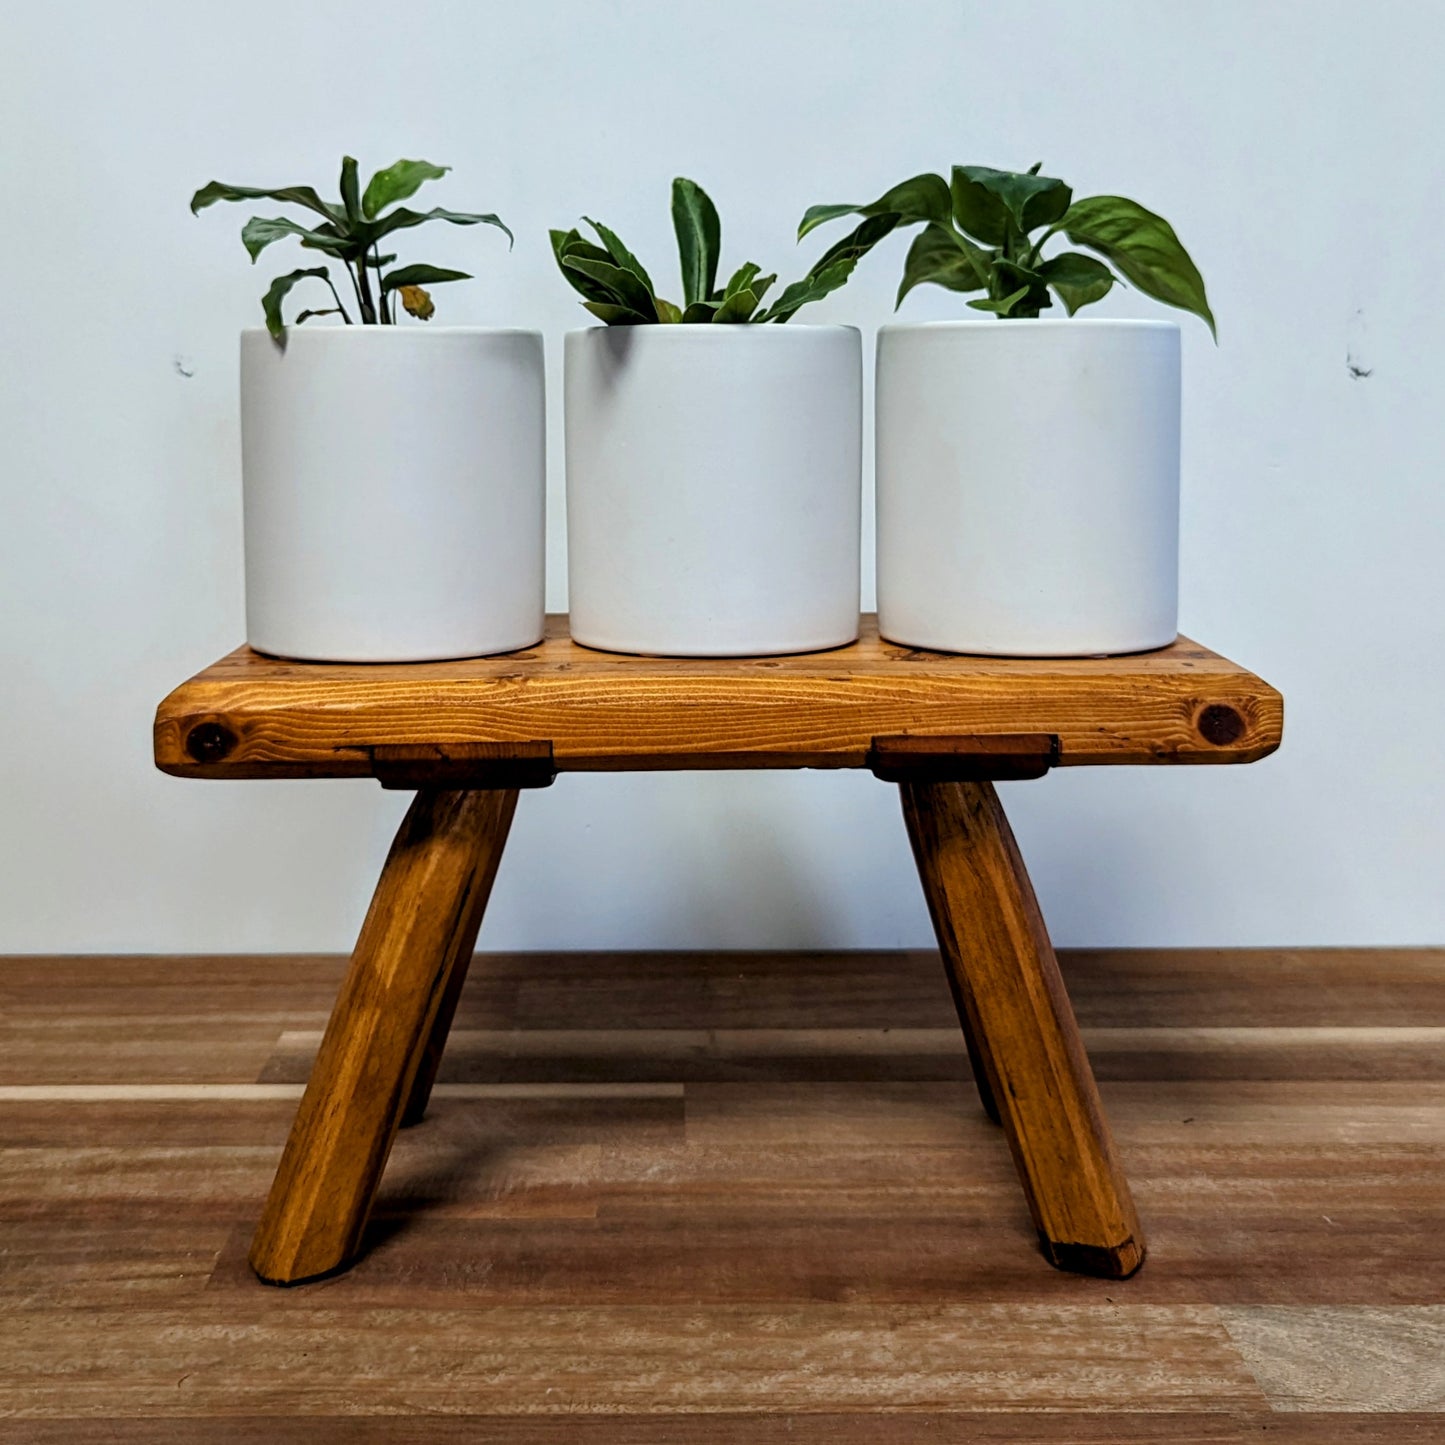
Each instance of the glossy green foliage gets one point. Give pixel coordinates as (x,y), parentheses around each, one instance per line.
(350,231)
(985,231)
(616,288)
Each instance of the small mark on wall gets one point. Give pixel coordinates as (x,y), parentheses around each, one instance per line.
(184,366)
(1357,347)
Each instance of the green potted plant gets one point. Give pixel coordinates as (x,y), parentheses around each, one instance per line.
(713,453)
(1028,472)
(393,473)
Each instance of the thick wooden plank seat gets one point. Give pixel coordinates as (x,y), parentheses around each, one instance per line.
(468,735)
(251,716)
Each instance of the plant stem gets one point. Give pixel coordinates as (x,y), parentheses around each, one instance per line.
(368,306)
(339,306)
(985,275)
(388,316)
(351,276)
(1038,246)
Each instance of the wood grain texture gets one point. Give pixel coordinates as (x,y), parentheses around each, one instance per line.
(455,970)
(778,1216)
(421,927)
(1345,1358)
(936,1427)
(1020,1025)
(254,716)
(486,1056)
(618,1359)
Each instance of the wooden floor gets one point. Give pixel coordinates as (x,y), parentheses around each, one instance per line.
(732,1198)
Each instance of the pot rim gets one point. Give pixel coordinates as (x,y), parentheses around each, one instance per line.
(708,328)
(369,328)
(1039,323)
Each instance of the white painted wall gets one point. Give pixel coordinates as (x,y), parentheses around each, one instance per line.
(1296,148)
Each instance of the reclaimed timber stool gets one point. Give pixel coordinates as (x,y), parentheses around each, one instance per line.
(466,736)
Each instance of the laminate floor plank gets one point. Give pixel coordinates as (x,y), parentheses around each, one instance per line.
(592,1358)
(86,1049)
(914,1427)
(1345,1358)
(900,1055)
(728,1198)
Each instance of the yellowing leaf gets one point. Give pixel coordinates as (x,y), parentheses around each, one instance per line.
(417,302)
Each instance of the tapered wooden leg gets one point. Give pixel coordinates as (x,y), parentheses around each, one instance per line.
(436,1043)
(1012,999)
(423,917)
(981,1065)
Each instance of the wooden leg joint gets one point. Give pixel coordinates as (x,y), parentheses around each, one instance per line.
(963,758)
(411,766)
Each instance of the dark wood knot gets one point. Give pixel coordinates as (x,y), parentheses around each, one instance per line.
(1220,724)
(209,742)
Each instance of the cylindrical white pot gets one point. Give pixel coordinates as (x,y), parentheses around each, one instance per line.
(1028,486)
(395,486)
(713,488)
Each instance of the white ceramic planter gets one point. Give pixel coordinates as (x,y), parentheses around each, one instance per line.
(713,488)
(1028,486)
(394,485)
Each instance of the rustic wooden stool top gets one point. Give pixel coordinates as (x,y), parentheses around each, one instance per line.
(467,735)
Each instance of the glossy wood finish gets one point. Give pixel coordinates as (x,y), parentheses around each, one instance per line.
(250,716)
(734,1199)
(457,967)
(1017,1016)
(496,724)
(417,938)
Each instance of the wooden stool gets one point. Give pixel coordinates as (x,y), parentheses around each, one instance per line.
(466,736)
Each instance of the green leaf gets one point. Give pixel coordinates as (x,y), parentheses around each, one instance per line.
(574,243)
(976,209)
(737,308)
(990,199)
(667,311)
(816,216)
(1143,247)
(699,312)
(377,262)
(813,287)
(420,276)
(1036,296)
(920,198)
(261,231)
(699,239)
(338,235)
(614,315)
(398,181)
(351,190)
(569,243)
(402,219)
(939,256)
(214,191)
(621,285)
(307,315)
(1079,280)
(1003,307)
(858,242)
(741,279)
(280,287)
(620,254)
